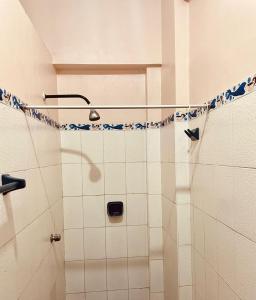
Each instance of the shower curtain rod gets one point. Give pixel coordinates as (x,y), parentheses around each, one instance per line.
(163,106)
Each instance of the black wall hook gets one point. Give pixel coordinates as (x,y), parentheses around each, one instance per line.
(10,184)
(193,134)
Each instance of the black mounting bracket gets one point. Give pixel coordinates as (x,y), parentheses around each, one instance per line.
(193,134)
(10,184)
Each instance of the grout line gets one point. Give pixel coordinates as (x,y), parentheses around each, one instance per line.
(82,186)
(105,215)
(219,221)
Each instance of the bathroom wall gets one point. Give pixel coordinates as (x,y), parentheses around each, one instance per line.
(30,266)
(99,31)
(25,62)
(174,156)
(104,88)
(222,45)
(223,201)
(176,212)
(118,258)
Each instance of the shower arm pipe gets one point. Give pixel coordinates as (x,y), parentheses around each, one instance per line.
(46,96)
(163,106)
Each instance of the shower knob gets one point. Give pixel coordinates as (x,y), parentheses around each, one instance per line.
(55,237)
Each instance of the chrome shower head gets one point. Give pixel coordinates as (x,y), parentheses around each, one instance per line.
(94,115)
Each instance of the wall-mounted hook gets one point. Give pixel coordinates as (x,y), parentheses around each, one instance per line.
(10,184)
(193,134)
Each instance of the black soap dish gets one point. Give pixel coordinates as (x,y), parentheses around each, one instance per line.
(115,209)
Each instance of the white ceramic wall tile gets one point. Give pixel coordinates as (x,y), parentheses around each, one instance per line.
(135,146)
(32,251)
(8,264)
(199,275)
(156,276)
(73,212)
(43,282)
(95,243)
(92,147)
(153,145)
(93,179)
(115,178)
(225,292)
(116,221)
(139,294)
(181,142)
(244,205)
(226,255)
(74,273)
(211,281)
(137,209)
(245,269)
(211,241)
(185,293)
(217,131)
(184,224)
(114,146)
(117,274)
(47,153)
(156,296)
(155,210)
(243,135)
(182,183)
(116,242)
(154,177)
(52,179)
(138,270)
(72,179)
(156,243)
(118,295)
(136,178)
(137,241)
(95,275)
(74,244)
(70,146)
(198,221)
(16,142)
(80,296)
(96,296)
(223,193)
(94,211)
(22,204)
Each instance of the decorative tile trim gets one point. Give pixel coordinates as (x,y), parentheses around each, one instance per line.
(12,101)
(240,90)
(126,126)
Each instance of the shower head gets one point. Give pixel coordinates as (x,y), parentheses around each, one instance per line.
(94,115)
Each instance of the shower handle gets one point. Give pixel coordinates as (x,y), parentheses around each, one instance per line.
(55,237)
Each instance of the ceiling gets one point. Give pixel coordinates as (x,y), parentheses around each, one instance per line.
(99,31)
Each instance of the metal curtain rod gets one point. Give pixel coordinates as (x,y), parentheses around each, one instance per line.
(163,106)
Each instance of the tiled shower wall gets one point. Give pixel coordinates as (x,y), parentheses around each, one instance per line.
(176,212)
(118,258)
(29,264)
(223,195)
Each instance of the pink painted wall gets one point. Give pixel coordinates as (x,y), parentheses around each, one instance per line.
(222,45)
(26,68)
(103,89)
(99,31)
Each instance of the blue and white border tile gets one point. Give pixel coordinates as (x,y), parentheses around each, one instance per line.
(240,90)
(120,126)
(13,101)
